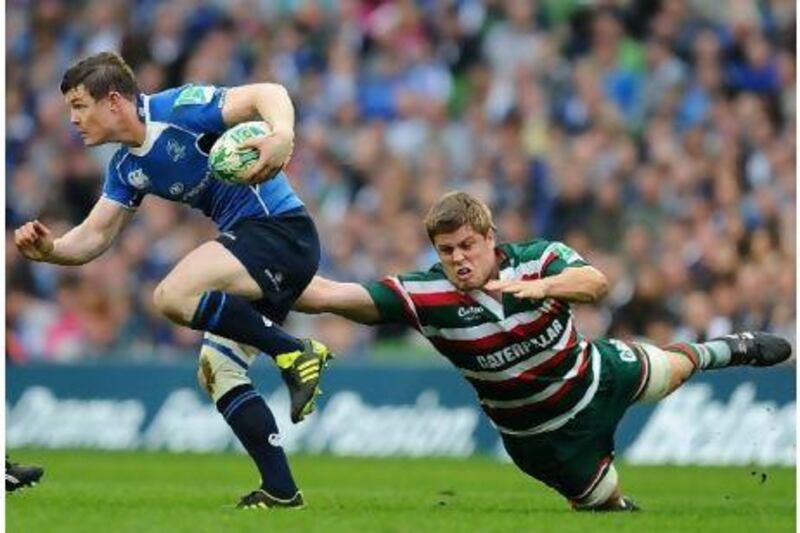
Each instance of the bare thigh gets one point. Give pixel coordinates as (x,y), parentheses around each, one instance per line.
(209,267)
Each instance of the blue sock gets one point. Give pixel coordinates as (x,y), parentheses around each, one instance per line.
(234,318)
(247,414)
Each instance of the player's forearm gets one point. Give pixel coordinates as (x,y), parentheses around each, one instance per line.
(78,246)
(348,300)
(360,314)
(275,107)
(583,285)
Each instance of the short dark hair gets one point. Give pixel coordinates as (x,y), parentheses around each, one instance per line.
(456,209)
(100,74)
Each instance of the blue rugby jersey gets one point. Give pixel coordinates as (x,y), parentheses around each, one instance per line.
(171,164)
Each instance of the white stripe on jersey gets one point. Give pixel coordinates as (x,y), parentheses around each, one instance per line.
(523,366)
(255,189)
(534,266)
(428,287)
(558,421)
(489,303)
(487,328)
(542,394)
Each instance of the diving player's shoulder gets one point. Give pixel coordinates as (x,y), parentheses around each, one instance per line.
(434,273)
(525,250)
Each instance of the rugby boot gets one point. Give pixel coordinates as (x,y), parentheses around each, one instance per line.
(259,499)
(301,371)
(628,505)
(19,476)
(757,348)
(625,505)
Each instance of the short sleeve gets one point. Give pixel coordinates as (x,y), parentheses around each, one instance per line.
(198,108)
(115,188)
(391,305)
(558,256)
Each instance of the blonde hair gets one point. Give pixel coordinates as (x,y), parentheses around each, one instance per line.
(456,209)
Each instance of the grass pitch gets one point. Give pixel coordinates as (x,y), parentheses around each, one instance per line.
(154,492)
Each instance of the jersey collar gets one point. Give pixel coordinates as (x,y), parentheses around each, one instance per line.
(141,112)
(490,304)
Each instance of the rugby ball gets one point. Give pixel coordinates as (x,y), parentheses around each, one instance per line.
(227,161)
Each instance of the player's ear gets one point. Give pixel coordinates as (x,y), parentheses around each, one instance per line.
(115,100)
(491,236)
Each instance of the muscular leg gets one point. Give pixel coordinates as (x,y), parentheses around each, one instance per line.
(223,374)
(209,289)
(209,267)
(671,366)
(680,370)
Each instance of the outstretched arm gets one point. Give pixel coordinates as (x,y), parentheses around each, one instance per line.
(349,300)
(271,103)
(583,284)
(79,245)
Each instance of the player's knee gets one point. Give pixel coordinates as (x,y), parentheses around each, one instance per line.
(602,494)
(660,374)
(167,301)
(223,365)
(680,371)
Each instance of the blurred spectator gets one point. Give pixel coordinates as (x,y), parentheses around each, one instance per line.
(658,138)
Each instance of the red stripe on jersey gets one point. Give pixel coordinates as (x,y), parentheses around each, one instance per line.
(570,383)
(530,375)
(499,412)
(435,299)
(533,373)
(550,258)
(411,315)
(495,341)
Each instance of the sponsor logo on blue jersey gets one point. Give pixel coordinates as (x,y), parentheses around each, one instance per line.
(176,189)
(138,179)
(176,150)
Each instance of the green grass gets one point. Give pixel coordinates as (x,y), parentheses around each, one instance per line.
(89,491)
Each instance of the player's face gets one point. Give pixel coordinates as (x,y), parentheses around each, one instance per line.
(94,119)
(468,257)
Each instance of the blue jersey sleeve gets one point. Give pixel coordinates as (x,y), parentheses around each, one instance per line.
(197,108)
(117,189)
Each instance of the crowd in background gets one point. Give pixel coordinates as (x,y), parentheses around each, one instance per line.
(655,137)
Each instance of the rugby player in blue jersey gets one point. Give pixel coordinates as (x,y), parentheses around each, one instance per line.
(237,288)
(501,314)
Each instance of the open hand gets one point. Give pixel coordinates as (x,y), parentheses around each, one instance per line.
(274,152)
(535,289)
(34,240)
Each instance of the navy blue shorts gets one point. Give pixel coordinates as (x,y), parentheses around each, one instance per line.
(281,253)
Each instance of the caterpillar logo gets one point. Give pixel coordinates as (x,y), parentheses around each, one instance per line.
(470,313)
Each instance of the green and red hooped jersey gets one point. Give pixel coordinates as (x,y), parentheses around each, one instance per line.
(530,367)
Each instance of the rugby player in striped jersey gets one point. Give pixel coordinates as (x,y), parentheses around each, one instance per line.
(501,314)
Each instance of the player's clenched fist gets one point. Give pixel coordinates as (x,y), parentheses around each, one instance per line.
(34,240)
